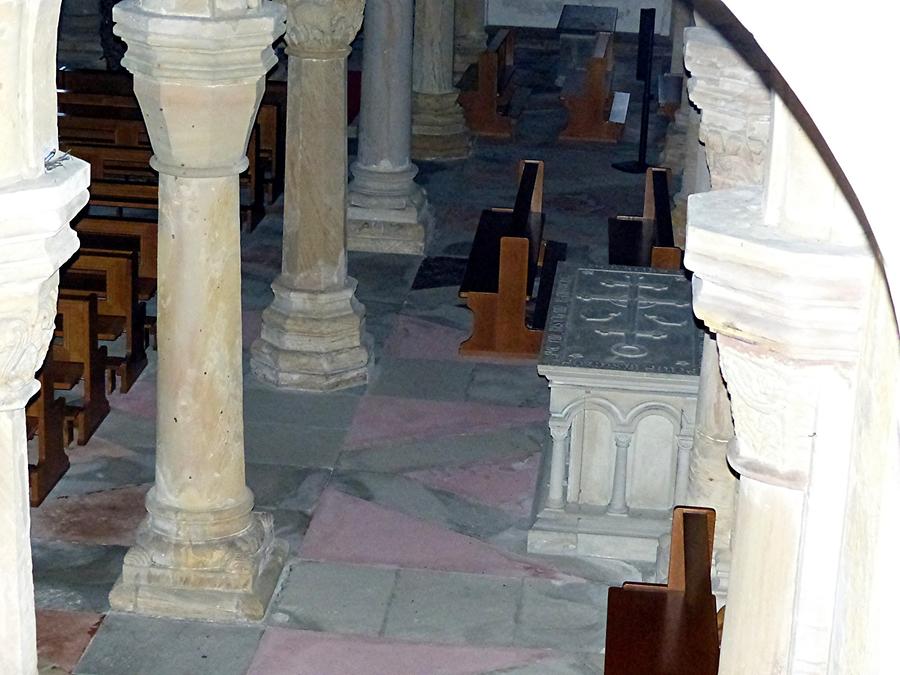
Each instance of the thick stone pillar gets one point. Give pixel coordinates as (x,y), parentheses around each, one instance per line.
(438,124)
(782,274)
(471,38)
(388,211)
(202,551)
(40,192)
(313,335)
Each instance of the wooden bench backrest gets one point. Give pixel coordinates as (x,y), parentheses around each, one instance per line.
(120,270)
(528,216)
(656,205)
(114,163)
(79,331)
(693,530)
(146,230)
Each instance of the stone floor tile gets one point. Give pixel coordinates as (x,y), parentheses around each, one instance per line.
(453,608)
(388,419)
(508,385)
(75,577)
(420,379)
(336,598)
(276,486)
(450,451)
(296,652)
(351,530)
(438,271)
(105,517)
(568,664)
(128,429)
(291,444)
(507,484)
(568,616)
(415,499)
(138,645)
(63,636)
(416,338)
(382,277)
(96,474)
(265,404)
(290,526)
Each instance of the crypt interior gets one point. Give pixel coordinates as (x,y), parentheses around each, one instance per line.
(411,337)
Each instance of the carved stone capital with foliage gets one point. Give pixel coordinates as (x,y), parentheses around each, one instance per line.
(323,25)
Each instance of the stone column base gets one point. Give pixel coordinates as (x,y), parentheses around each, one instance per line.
(312,341)
(384,229)
(439,130)
(222,579)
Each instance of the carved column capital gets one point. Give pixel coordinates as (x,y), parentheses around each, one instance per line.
(559,427)
(321,27)
(35,240)
(735,104)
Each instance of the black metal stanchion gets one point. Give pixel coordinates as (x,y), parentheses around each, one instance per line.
(644,69)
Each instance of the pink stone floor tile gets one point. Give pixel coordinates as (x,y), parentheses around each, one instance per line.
(385,419)
(62,636)
(296,652)
(347,529)
(110,517)
(507,484)
(414,338)
(99,447)
(140,399)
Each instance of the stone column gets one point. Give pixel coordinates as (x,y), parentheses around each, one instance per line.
(313,335)
(202,551)
(388,211)
(617,503)
(559,432)
(782,274)
(471,38)
(438,125)
(39,194)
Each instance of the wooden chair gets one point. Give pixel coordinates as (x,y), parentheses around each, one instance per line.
(668,629)
(508,255)
(587,98)
(112,276)
(78,357)
(486,87)
(45,421)
(647,240)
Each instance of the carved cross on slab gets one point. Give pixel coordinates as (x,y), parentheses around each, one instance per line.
(636,307)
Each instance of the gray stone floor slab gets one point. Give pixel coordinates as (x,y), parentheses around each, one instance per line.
(421,379)
(319,410)
(508,385)
(74,576)
(105,473)
(137,645)
(453,608)
(448,451)
(380,276)
(415,499)
(569,617)
(333,597)
(292,444)
(276,486)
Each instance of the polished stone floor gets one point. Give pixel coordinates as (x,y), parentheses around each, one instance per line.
(405,503)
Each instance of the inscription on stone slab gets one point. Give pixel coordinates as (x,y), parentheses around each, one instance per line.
(622,318)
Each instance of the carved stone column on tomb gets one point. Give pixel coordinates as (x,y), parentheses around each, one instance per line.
(470,36)
(388,212)
(40,192)
(202,551)
(782,274)
(438,125)
(313,334)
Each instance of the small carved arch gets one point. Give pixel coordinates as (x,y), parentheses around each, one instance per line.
(602,405)
(666,410)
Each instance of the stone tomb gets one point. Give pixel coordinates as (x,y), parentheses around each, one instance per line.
(622,354)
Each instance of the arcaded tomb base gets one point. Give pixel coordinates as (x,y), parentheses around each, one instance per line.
(622,355)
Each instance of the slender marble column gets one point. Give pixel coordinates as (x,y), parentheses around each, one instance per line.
(559,431)
(313,335)
(618,504)
(388,211)
(438,124)
(471,38)
(39,195)
(202,551)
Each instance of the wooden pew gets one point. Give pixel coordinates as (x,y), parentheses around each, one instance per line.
(508,256)
(112,276)
(588,99)
(78,357)
(146,234)
(647,240)
(45,421)
(272,120)
(670,629)
(486,87)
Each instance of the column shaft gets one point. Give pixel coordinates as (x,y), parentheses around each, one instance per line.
(469,33)
(438,124)
(387,211)
(618,503)
(555,495)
